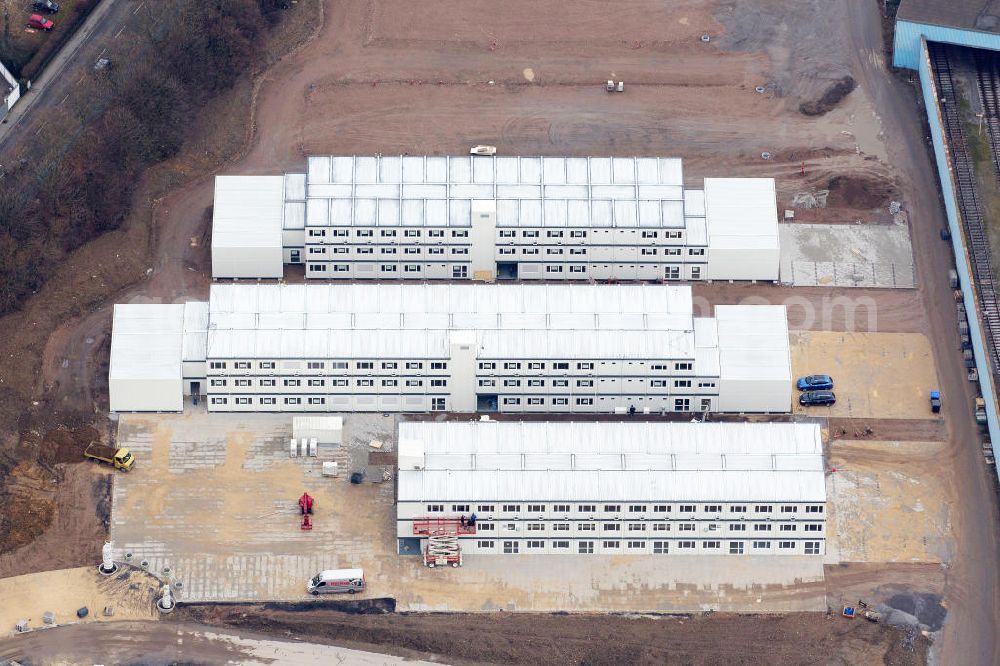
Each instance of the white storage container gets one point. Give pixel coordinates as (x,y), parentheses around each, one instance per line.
(324,429)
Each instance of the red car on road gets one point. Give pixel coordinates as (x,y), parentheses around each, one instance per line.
(39,22)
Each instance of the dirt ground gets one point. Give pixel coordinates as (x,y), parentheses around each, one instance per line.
(511,638)
(377,77)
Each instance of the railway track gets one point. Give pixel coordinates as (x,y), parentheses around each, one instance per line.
(988,78)
(967,193)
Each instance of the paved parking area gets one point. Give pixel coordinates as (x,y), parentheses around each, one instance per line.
(846,255)
(876,375)
(213,497)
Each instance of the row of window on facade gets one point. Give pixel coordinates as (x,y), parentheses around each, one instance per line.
(435,383)
(482,526)
(331,365)
(458,272)
(327,232)
(322,383)
(675,366)
(461,271)
(385,233)
(437,404)
(657,547)
(714,509)
(680,404)
(589,383)
(319,251)
(453,251)
(582,252)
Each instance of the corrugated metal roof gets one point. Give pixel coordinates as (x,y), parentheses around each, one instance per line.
(529,191)
(981,15)
(741,213)
(248,211)
(614,461)
(395,321)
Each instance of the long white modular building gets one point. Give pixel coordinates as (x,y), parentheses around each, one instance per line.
(451,347)
(613,487)
(487,218)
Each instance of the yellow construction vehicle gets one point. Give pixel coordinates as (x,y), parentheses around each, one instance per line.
(121,458)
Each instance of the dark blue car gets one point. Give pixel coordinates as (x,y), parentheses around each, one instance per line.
(815,383)
(810,398)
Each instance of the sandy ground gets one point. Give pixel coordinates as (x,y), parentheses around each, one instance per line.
(890,502)
(131,594)
(369,83)
(876,375)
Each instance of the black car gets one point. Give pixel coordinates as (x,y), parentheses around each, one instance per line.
(45,6)
(817,398)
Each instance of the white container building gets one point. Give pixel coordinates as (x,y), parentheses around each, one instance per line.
(614,487)
(157,356)
(487,218)
(247,221)
(489,348)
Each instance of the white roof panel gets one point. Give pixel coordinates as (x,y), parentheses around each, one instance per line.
(615,461)
(624,182)
(248,211)
(295,187)
(515,321)
(294,216)
(147,341)
(741,213)
(753,342)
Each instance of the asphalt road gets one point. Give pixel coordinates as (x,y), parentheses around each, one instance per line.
(973,587)
(108,23)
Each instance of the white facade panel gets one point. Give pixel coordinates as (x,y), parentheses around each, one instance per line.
(147,345)
(146,395)
(754,358)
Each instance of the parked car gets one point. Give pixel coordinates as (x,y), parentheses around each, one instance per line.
(46,6)
(810,398)
(39,22)
(815,383)
(350,581)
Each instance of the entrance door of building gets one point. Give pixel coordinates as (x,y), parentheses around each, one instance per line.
(195,392)
(507,270)
(486,403)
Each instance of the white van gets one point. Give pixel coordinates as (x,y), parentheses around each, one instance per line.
(337,580)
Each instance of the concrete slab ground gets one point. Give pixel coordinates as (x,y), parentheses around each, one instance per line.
(846,255)
(876,375)
(131,594)
(891,502)
(213,497)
